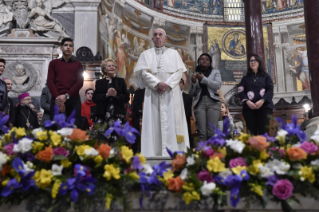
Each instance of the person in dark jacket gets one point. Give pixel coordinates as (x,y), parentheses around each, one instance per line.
(256,91)
(10,107)
(24,116)
(137,110)
(110,97)
(45,102)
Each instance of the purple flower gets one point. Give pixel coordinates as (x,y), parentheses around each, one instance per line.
(216,141)
(160,168)
(59,119)
(309,147)
(61,151)
(217,133)
(204,175)
(126,131)
(12,185)
(234,196)
(8,149)
(171,154)
(137,163)
(209,152)
(272,180)
(202,145)
(276,149)
(269,138)
(3,121)
(283,189)
(237,162)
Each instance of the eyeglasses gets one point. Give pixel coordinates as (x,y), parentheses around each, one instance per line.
(253,61)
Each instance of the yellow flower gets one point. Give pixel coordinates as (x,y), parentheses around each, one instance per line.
(238,169)
(0,144)
(65,163)
(215,165)
(222,150)
(42,135)
(4,183)
(264,155)
(134,175)
(55,188)
(281,139)
(55,138)
(111,171)
(188,197)
(307,174)
(98,159)
(80,150)
(127,153)
(243,137)
(7,137)
(168,174)
(258,189)
(37,146)
(141,158)
(43,178)
(253,169)
(20,132)
(108,198)
(188,187)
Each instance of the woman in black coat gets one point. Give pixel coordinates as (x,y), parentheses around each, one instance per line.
(110,96)
(256,91)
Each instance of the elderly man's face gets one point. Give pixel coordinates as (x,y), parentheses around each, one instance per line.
(9,84)
(39,114)
(159,38)
(26,101)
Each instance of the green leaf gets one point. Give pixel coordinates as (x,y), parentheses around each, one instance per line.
(59,157)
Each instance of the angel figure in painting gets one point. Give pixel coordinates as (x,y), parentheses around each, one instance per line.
(120,54)
(301,69)
(42,20)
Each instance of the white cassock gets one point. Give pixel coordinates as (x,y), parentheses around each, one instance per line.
(164,122)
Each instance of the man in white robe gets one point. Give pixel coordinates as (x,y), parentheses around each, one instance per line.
(164,123)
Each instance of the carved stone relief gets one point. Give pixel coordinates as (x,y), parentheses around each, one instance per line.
(23,75)
(21,12)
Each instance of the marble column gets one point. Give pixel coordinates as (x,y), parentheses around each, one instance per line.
(254,31)
(86,24)
(311,9)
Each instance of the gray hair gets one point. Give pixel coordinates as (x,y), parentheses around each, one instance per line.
(162,30)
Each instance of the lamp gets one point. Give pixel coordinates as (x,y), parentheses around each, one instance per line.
(307,108)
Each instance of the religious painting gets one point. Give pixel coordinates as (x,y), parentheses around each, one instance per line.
(298,66)
(189,64)
(227,47)
(108,4)
(210,7)
(273,6)
(176,34)
(137,20)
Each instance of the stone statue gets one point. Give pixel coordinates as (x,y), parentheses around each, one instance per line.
(42,21)
(5,14)
(20,78)
(21,11)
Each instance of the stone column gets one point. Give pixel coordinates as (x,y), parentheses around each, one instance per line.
(86,24)
(254,30)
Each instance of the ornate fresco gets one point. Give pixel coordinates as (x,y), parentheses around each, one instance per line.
(274,6)
(212,7)
(226,45)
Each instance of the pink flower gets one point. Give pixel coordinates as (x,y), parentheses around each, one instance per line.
(8,149)
(205,176)
(283,189)
(237,162)
(281,151)
(60,151)
(209,152)
(309,147)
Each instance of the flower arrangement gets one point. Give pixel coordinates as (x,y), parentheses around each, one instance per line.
(65,168)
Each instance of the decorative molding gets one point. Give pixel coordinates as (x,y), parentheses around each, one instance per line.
(85,54)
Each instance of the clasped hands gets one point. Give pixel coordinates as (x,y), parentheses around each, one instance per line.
(111,92)
(162,87)
(256,105)
(198,76)
(60,102)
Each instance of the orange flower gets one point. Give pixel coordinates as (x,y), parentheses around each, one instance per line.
(104,150)
(258,142)
(217,154)
(295,154)
(175,184)
(178,162)
(78,135)
(45,155)
(6,169)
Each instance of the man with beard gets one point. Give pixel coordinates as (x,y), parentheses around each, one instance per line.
(24,116)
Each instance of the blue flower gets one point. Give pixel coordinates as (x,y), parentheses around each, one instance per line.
(216,141)
(234,196)
(126,131)
(244,175)
(26,181)
(11,186)
(3,121)
(159,169)
(171,154)
(136,163)
(272,180)
(59,119)
(269,138)
(202,146)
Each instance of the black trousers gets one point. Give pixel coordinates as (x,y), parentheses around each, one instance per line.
(70,104)
(257,121)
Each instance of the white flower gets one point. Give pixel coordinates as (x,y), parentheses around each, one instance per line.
(225,173)
(24,145)
(34,132)
(207,188)
(113,152)
(65,131)
(315,136)
(280,167)
(91,152)
(183,174)
(315,162)
(282,133)
(190,160)
(27,168)
(297,166)
(147,168)
(235,145)
(3,159)
(56,169)
(265,171)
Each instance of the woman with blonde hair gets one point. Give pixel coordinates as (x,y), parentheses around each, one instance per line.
(110,96)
